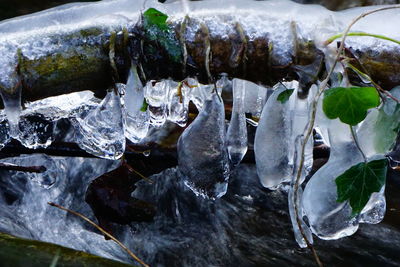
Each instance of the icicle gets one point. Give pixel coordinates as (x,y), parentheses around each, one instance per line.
(279,124)
(236,138)
(224,86)
(137,119)
(178,108)
(202,156)
(12,107)
(306,230)
(156,94)
(328,218)
(100,131)
(193,91)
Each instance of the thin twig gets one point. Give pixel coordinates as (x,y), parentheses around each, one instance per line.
(309,130)
(101,230)
(13,167)
(138,173)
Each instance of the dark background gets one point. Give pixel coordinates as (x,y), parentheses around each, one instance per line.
(13,8)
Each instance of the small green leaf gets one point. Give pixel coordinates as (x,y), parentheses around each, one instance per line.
(349,104)
(359,182)
(285,95)
(144,106)
(154,17)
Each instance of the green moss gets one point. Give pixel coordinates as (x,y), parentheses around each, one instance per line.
(17,252)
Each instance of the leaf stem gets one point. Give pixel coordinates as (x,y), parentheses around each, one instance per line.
(378,36)
(354,135)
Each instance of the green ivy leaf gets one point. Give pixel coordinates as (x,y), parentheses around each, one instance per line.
(285,95)
(160,37)
(144,106)
(359,182)
(153,17)
(349,104)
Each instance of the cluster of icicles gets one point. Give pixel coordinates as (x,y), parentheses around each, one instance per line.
(210,147)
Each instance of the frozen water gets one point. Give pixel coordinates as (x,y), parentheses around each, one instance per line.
(36,131)
(46,179)
(377,133)
(236,136)
(24,198)
(101,131)
(137,120)
(202,156)
(156,94)
(375,209)
(279,125)
(193,91)
(178,107)
(328,218)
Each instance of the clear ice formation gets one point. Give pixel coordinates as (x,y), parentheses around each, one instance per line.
(156,94)
(202,155)
(178,108)
(279,125)
(137,120)
(236,136)
(328,218)
(101,131)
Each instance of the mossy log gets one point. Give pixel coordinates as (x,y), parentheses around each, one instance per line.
(82,59)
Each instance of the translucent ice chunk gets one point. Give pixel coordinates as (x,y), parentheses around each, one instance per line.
(374,211)
(279,124)
(236,137)
(202,156)
(156,94)
(377,133)
(193,91)
(328,218)
(137,120)
(178,108)
(100,131)
(36,131)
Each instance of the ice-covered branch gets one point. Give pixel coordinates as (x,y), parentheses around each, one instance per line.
(66,49)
